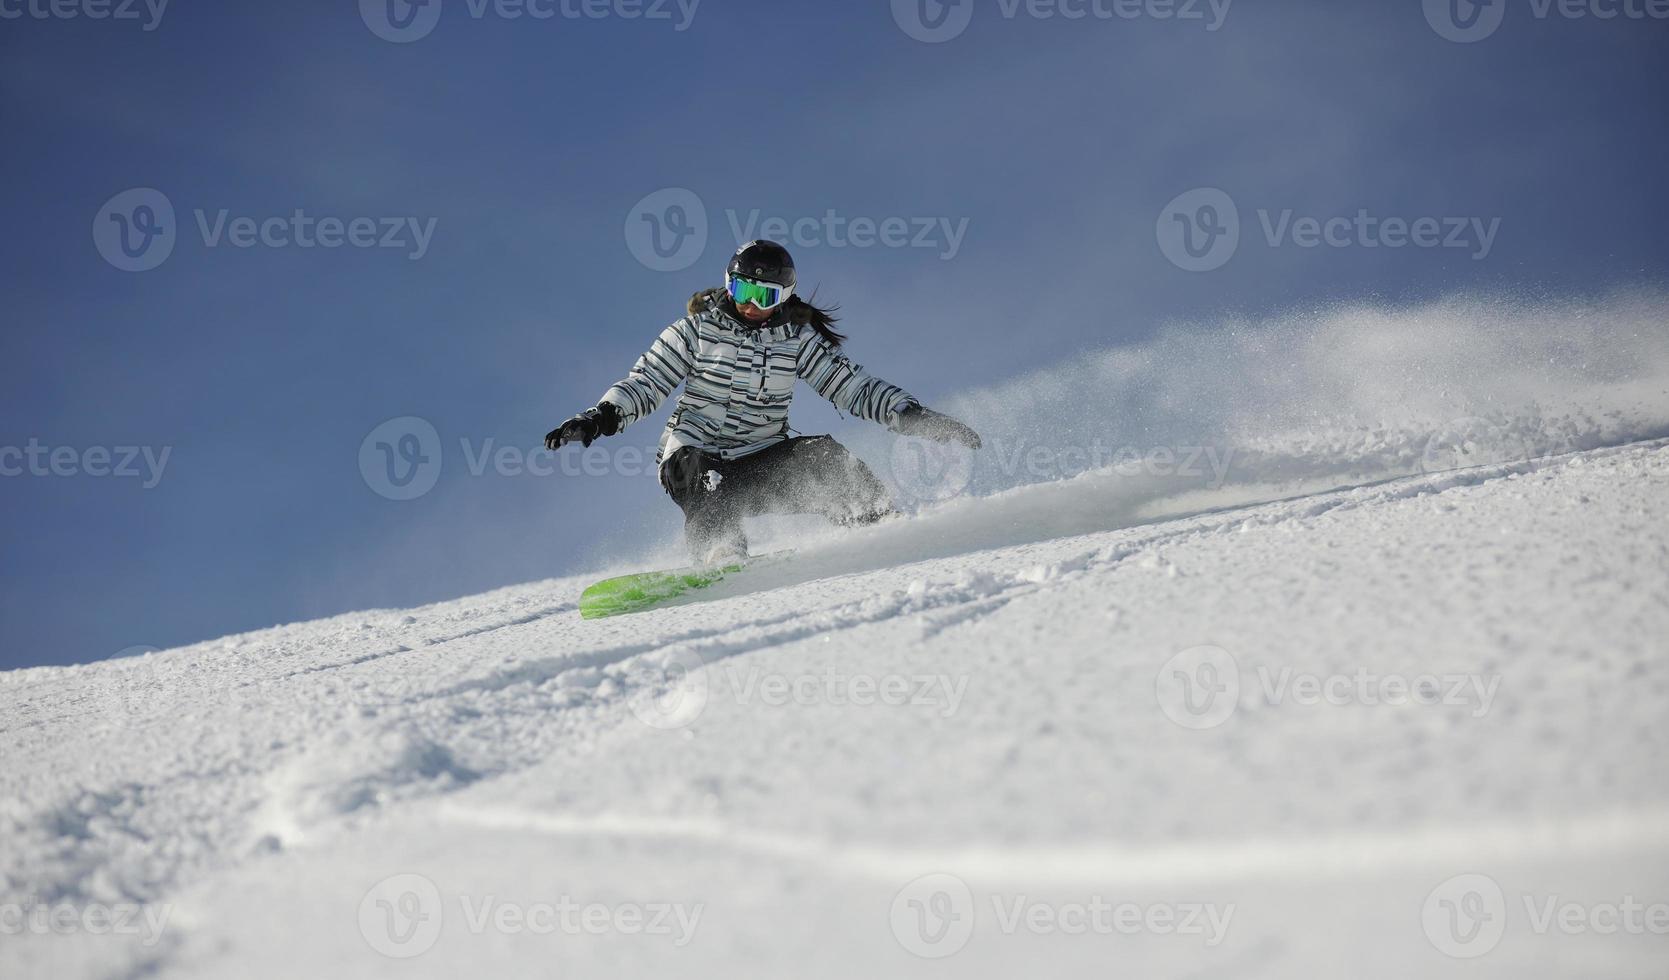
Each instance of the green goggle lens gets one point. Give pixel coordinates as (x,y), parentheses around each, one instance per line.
(765,295)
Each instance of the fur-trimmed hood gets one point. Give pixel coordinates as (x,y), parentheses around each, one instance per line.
(796,312)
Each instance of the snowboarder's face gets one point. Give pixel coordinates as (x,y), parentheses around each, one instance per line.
(753,314)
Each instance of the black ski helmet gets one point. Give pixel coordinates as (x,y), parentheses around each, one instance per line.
(765,261)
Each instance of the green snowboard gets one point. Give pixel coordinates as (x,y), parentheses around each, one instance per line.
(645,590)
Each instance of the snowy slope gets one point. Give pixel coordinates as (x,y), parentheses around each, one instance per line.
(757,785)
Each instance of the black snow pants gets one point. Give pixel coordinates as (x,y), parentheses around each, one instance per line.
(805,475)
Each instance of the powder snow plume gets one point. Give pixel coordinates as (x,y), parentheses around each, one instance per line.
(1351,394)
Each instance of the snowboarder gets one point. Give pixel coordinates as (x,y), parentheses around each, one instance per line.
(726,452)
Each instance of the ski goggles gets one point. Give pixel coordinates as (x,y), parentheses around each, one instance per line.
(765,295)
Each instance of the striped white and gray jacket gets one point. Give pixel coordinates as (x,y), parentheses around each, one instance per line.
(739,379)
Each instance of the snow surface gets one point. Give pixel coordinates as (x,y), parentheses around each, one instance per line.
(344,798)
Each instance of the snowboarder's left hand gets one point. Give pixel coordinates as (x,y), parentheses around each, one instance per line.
(915,420)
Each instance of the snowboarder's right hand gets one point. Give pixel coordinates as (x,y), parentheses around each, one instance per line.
(577,429)
(584,428)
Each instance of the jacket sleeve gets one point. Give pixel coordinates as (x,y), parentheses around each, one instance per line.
(847,386)
(663,367)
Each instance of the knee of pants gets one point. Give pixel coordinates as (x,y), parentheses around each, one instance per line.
(683,472)
(821,452)
(833,461)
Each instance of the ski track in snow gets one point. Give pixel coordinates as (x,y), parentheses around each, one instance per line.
(1645,831)
(290,769)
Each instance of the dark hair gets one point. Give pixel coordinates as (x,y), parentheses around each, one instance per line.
(821,318)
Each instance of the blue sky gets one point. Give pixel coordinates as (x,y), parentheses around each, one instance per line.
(520,149)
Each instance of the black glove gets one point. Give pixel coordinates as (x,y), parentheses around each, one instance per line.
(914,420)
(584,428)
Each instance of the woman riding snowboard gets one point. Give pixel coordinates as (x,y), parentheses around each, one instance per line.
(726,453)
